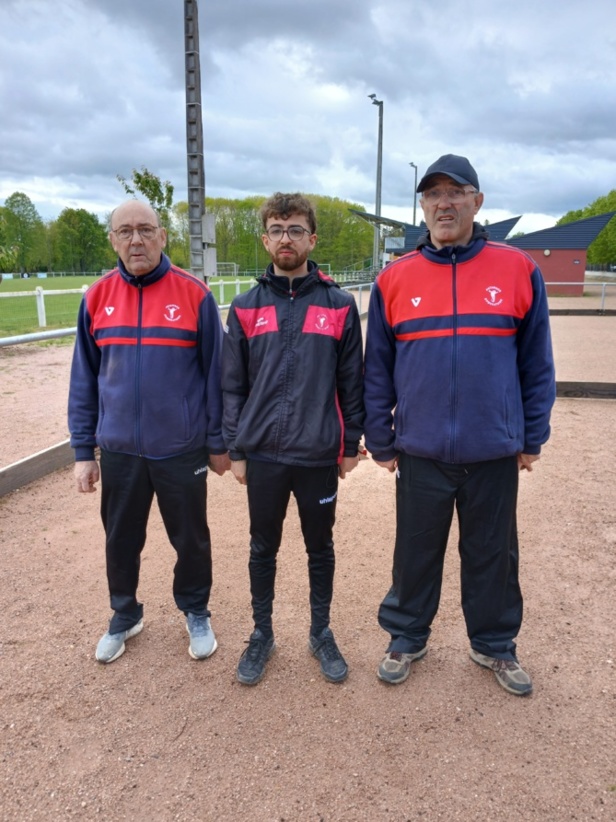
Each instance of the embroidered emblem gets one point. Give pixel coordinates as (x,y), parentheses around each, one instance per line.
(493,291)
(109,309)
(322,322)
(172,314)
(415,301)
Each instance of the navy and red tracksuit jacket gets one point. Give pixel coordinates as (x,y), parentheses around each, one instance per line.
(292,372)
(145,378)
(459,364)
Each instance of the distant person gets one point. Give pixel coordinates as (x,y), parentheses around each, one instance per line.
(459,387)
(293,417)
(145,387)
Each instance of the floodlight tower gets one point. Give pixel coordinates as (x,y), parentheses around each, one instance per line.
(201,230)
(412,165)
(376,250)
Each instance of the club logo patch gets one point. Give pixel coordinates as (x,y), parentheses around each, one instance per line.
(322,322)
(494,299)
(172,313)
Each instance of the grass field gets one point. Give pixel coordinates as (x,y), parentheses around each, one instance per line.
(18,315)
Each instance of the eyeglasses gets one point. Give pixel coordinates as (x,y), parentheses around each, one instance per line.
(454,195)
(293,232)
(147,232)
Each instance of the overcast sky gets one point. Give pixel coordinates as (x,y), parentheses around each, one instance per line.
(527,90)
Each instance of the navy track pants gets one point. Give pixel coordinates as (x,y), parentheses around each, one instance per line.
(484,494)
(128,487)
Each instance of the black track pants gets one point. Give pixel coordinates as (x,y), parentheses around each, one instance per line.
(485,497)
(128,487)
(270,486)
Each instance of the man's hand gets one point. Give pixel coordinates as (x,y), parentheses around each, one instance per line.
(346,465)
(238,469)
(86,475)
(391,465)
(219,463)
(525,461)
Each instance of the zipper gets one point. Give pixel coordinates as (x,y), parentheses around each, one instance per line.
(454,359)
(138,371)
(287,353)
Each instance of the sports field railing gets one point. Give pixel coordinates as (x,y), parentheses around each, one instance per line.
(40,309)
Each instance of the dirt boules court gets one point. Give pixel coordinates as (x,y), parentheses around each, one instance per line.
(158,736)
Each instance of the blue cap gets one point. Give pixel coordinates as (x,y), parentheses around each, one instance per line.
(454,166)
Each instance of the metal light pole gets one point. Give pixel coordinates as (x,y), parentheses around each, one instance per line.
(376,249)
(201,230)
(414,195)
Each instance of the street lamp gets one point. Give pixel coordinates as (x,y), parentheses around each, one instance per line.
(414,193)
(379,168)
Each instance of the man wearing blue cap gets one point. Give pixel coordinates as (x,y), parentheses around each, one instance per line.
(459,386)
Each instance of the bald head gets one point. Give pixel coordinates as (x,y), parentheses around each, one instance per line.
(133,207)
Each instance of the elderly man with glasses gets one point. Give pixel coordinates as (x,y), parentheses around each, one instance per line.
(145,388)
(459,386)
(293,417)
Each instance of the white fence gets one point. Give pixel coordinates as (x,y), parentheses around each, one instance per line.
(39,293)
(237,286)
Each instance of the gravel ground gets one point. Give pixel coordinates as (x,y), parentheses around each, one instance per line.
(158,736)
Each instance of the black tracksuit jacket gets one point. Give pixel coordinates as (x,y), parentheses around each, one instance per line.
(292,372)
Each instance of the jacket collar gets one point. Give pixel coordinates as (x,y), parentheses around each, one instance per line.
(285,286)
(462,252)
(146,279)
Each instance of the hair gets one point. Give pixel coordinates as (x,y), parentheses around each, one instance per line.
(284,206)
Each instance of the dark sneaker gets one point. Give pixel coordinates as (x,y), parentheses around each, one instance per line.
(324,648)
(202,640)
(396,666)
(251,667)
(111,646)
(508,672)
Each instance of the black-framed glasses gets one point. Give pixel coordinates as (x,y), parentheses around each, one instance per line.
(293,232)
(454,195)
(147,232)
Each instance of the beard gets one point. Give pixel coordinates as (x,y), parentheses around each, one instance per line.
(291,260)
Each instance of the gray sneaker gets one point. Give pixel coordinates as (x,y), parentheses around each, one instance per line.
(508,672)
(396,666)
(202,640)
(111,646)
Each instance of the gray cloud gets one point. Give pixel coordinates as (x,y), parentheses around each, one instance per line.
(93,88)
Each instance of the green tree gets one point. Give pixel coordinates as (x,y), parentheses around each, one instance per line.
(8,253)
(238,231)
(344,238)
(179,239)
(80,242)
(603,249)
(159,194)
(25,232)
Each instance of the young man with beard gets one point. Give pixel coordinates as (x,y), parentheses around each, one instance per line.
(292,419)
